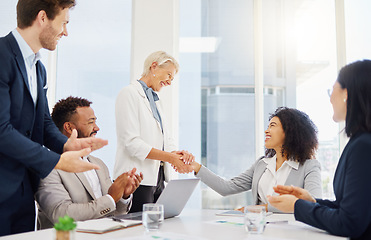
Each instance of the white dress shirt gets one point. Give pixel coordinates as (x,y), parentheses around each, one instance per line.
(271,177)
(94,182)
(30,59)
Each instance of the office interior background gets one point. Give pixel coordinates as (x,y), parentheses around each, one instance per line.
(239,61)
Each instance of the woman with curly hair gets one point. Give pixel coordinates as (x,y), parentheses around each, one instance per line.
(349,215)
(290,142)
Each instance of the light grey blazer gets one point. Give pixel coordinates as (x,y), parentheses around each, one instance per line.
(307,176)
(62,193)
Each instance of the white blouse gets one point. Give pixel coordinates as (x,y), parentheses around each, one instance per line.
(271,177)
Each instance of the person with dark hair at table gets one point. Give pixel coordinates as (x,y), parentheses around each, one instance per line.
(349,215)
(87,195)
(290,142)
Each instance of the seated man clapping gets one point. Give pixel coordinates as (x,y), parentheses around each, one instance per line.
(87,195)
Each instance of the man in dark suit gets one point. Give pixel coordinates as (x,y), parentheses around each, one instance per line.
(30,144)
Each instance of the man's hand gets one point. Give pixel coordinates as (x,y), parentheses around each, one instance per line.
(134,184)
(125,185)
(118,186)
(74,143)
(71,161)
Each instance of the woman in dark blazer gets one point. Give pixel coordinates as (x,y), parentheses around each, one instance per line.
(350,214)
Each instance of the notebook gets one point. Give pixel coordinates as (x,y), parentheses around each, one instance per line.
(174,197)
(103,225)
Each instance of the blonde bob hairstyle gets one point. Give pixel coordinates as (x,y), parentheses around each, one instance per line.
(162,59)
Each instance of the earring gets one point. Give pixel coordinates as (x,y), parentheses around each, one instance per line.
(345,100)
(154,75)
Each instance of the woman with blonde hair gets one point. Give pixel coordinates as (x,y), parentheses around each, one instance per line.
(143,138)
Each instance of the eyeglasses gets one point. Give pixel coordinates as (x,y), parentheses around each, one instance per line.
(329,91)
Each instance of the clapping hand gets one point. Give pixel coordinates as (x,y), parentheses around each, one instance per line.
(74,149)
(71,161)
(125,184)
(74,144)
(134,184)
(116,191)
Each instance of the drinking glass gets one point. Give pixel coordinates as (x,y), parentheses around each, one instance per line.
(153,216)
(255,219)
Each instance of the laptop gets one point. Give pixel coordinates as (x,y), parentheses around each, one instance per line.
(174,197)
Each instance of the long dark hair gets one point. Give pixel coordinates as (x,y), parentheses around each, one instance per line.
(356,78)
(301,140)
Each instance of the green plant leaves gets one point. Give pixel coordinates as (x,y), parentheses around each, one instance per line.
(65,223)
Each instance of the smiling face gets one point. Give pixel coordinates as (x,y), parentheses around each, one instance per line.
(274,135)
(54,30)
(338,100)
(84,121)
(161,75)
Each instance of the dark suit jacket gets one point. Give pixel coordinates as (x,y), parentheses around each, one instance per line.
(350,214)
(24,128)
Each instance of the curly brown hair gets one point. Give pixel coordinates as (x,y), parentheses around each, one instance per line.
(301,140)
(64,109)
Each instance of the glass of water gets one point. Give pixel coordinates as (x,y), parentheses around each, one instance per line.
(153,216)
(255,219)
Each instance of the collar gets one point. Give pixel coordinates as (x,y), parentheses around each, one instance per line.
(149,90)
(29,56)
(271,163)
(293,164)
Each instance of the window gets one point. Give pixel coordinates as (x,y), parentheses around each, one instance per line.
(357,23)
(313,69)
(299,66)
(8,11)
(94,60)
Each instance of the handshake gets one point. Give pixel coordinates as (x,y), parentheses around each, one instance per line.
(183,161)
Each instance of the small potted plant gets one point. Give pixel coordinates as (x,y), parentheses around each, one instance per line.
(65,228)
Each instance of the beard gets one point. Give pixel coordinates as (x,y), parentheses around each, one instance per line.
(80,134)
(48,38)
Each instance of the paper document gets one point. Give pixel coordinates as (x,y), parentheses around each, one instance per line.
(236,213)
(104,225)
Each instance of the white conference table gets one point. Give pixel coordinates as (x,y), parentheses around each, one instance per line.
(197,225)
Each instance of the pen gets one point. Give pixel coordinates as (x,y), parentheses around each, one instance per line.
(117,220)
(277,222)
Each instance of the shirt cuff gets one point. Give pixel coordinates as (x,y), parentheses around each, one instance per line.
(128,200)
(113,201)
